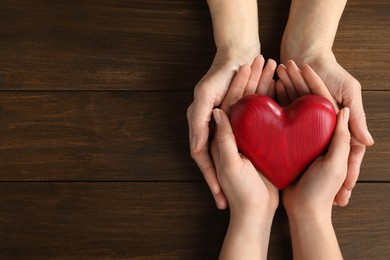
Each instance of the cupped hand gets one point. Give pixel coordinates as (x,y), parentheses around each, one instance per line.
(313,195)
(296,82)
(346,90)
(245,188)
(324,181)
(209,93)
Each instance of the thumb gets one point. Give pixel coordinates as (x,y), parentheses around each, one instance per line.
(339,148)
(226,142)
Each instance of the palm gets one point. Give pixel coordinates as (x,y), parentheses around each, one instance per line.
(253,187)
(346,90)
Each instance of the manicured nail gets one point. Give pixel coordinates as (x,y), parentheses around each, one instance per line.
(282,65)
(217,116)
(346,114)
(291,61)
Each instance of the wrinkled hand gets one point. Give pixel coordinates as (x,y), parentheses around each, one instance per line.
(246,190)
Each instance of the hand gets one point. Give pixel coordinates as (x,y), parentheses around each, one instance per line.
(308,203)
(308,39)
(316,190)
(307,82)
(248,80)
(252,198)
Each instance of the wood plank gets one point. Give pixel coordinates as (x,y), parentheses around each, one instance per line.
(125,136)
(120,44)
(159,220)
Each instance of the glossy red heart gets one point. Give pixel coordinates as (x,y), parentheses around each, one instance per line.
(282,142)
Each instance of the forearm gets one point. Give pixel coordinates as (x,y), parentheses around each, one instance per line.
(314,238)
(246,239)
(235,25)
(311,27)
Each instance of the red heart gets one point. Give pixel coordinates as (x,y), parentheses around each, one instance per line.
(282,142)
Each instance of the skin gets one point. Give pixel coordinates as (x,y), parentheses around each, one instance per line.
(252,198)
(309,201)
(308,39)
(235,25)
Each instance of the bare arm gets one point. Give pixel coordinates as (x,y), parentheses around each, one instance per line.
(311,28)
(308,39)
(235,25)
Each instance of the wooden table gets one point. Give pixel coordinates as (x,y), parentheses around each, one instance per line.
(94,156)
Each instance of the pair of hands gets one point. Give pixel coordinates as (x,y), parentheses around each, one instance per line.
(252,198)
(246,190)
(211,91)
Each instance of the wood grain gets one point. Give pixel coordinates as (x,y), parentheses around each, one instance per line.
(125,136)
(154,221)
(94,159)
(155,45)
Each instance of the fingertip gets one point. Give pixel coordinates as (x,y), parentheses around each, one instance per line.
(343,197)
(221,202)
(369,138)
(271,62)
(217,116)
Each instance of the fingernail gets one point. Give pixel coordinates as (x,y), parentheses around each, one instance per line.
(346,115)
(282,65)
(217,116)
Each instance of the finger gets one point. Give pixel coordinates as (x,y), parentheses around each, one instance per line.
(206,165)
(266,77)
(316,85)
(358,122)
(228,151)
(297,79)
(236,88)
(342,197)
(256,70)
(220,198)
(281,94)
(288,85)
(221,201)
(271,89)
(339,148)
(354,161)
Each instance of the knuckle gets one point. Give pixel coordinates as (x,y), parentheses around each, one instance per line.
(355,84)
(345,137)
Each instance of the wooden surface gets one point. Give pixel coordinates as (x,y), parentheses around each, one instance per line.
(94,160)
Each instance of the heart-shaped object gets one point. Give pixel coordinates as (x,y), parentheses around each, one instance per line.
(282,142)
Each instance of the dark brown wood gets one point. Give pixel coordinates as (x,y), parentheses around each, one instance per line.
(157,45)
(94,159)
(125,136)
(159,220)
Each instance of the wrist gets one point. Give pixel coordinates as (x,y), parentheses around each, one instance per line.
(255,219)
(311,28)
(309,216)
(237,54)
